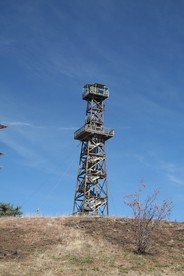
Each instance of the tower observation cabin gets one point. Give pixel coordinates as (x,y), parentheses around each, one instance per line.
(91,194)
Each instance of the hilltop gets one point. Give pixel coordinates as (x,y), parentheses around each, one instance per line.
(86,246)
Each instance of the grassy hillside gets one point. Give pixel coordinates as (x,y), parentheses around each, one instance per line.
(86,246)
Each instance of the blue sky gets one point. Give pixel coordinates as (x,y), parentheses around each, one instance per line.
(48,51)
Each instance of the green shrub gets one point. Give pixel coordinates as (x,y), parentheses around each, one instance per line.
(8,210)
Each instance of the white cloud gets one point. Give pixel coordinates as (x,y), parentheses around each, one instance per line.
(175,179)
(30,156)
(168,166)
(68,128)
(18,124)
(36,146)
(173,172)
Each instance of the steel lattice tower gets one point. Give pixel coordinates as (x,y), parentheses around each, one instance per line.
(91,194)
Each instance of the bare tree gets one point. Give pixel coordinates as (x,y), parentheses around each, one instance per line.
(146,216)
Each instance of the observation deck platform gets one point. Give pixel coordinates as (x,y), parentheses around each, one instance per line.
(84,132)
(95,90)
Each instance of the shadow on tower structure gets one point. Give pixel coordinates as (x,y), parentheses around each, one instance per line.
(91,194)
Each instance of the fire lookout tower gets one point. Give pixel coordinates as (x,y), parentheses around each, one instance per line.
(91,194)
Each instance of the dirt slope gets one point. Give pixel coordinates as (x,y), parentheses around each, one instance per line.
(86,246)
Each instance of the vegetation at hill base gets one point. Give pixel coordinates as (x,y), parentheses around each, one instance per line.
(74,245)
(8,210)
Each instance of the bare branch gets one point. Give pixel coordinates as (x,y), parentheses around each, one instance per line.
(146,216)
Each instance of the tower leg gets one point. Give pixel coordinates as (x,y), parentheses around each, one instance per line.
(91,195)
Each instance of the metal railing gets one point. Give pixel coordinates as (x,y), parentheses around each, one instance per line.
(101,130)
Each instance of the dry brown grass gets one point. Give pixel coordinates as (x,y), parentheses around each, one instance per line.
(86,246)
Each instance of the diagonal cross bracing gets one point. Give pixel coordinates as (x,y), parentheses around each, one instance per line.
(91,194)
